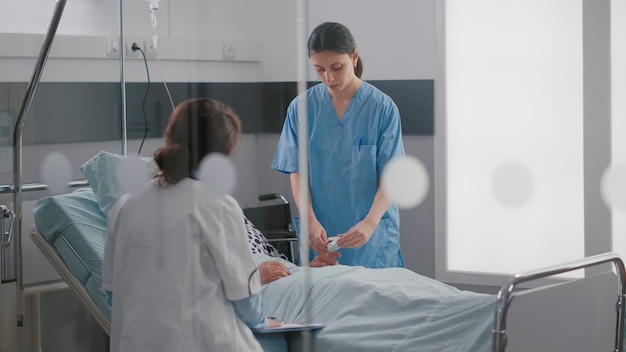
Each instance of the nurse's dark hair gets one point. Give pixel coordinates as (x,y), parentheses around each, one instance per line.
(335,37)
(196,128)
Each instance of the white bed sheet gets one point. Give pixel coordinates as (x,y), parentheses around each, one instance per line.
(382,310)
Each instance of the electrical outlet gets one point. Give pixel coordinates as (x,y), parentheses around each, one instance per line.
(228,51)
(129,47)
(150,48)
(113,47)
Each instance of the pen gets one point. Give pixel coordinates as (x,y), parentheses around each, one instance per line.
(360,142)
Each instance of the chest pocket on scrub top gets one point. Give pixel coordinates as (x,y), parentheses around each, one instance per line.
(363,168)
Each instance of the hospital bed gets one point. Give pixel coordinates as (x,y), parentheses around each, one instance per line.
(366,309)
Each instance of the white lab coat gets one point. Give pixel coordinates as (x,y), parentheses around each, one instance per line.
(174,259)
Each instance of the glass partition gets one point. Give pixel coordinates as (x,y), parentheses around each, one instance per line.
(614,187)
(532,157)
(117,70)
(514,160)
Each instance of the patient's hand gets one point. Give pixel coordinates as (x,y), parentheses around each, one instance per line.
(271,271)
(325,258)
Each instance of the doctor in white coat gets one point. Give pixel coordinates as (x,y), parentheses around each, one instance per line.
(177,262)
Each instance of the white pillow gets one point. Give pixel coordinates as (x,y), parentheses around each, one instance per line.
(101,173)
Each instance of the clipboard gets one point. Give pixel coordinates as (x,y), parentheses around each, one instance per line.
(288,327)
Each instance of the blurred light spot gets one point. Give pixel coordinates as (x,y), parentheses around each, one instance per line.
(512,184)
(56,172)
(405,181)
(613,186)
(133,174)
(218,175)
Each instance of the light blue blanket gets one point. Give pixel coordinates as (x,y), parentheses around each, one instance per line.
(382,310)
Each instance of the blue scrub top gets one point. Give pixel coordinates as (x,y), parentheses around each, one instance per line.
(346,160)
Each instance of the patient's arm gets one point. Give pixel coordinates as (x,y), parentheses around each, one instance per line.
(272,270)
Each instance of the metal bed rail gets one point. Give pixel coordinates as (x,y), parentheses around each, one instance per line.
(505,295)
(17,151)
(17,188)
(38,186)
(8,273)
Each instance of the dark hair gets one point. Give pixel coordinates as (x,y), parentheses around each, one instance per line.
(335,37)
(196,128)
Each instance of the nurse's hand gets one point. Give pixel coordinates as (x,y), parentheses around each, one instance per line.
(271,271)
(325,258)
(317,236)
(358,235)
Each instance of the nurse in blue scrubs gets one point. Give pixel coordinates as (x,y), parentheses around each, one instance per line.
(354,130)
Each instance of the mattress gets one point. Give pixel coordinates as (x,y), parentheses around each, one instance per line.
(76,228)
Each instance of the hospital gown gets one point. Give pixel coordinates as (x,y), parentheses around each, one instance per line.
(175,259)
(346,159)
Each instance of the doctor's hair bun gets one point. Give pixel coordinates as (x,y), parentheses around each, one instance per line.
(196,128)
(173,162)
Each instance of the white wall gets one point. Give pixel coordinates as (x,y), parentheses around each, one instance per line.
(190,40)
(396,38)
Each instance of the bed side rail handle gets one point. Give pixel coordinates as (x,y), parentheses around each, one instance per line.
(4,214)
(7,266)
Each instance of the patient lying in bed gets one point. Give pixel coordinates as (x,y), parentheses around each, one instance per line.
(373,309)
(273,270)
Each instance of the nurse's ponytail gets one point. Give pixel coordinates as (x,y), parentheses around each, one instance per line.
(335,37)
(358,68)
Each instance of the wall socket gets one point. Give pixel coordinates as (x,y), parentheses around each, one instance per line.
(228,51)
(129,47)
(149,47)
(113,47)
